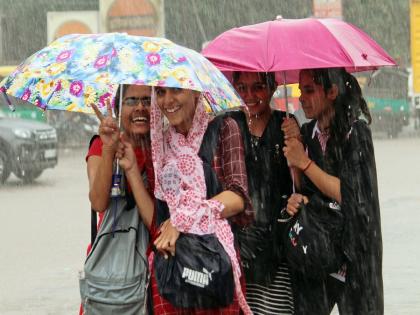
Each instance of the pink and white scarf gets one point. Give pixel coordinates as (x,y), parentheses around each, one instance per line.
(180,181)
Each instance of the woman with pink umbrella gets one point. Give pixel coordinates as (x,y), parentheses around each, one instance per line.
(270,183)
(286,46)
(338,167)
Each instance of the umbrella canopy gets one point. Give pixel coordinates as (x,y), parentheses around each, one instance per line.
(80,69)
(290,45)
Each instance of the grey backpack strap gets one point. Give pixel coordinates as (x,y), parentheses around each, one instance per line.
(93,214)
(93,225)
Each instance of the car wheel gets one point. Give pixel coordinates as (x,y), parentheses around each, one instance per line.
(29,176)
(4,167)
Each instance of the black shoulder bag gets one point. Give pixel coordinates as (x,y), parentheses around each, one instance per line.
(313,238)
(200,274)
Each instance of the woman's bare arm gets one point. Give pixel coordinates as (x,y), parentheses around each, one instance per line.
(329,185)
(99,169)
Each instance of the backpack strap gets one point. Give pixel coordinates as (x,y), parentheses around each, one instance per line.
(93,214)
(93,225)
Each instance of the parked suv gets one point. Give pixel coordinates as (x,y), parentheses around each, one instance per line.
(27,148)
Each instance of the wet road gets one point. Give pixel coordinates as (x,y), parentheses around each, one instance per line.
(45,229)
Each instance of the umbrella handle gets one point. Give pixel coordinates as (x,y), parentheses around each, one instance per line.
(286,101)
(116,189)
(9,103)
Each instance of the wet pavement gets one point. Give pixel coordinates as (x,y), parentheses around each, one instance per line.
(45,229)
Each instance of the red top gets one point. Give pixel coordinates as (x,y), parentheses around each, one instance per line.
(145,165)
(144,161)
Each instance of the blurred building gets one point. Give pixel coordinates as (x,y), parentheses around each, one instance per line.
(139,17)
(27,26)
(71,22)
(24,29)
(193,22)
(328,9)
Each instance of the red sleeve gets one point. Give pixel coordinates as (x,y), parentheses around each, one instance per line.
(95,148)
(153,233)
(154,230)
(144,162)
(234,168)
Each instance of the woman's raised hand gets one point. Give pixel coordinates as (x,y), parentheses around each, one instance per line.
(108,128)
(294,203)
(295,153)
(291,129)
(125,154)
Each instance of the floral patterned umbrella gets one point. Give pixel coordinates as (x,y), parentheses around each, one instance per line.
(80,69)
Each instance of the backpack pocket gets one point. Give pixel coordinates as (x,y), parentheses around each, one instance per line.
(116,270)
(113,291)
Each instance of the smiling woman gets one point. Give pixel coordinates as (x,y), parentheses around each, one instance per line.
(269,181)
(135,121)
(338,166)
(197,192)
(178,106)
(135,113)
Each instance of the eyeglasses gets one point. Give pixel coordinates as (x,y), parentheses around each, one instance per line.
(256,87)
(134,101)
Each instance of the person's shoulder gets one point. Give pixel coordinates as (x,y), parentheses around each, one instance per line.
(280,114)
(359,139)
(95,140)
(360,127)
(228,128)
(361,124)
(95,147)
(215,123)
(226,120)
(230,123)
(360,132)
(235,114)
(308,127)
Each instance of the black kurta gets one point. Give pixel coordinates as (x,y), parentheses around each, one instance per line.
(354,164)
(362,241)
(268,174)
(270,185)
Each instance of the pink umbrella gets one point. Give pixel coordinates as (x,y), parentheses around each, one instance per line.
(289,45)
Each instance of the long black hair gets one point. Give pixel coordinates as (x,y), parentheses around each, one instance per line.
(267,77)
(349,104)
